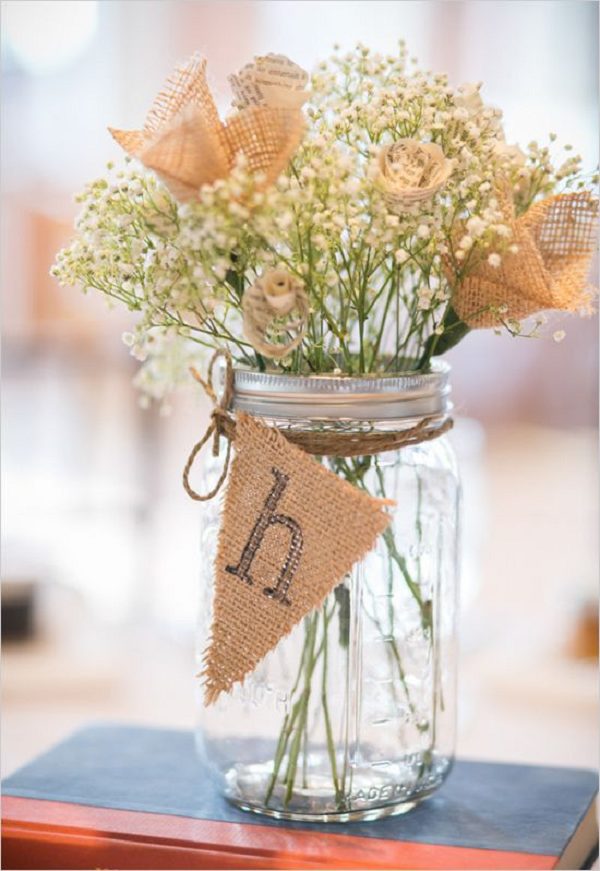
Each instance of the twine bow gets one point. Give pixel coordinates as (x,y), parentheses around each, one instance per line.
(220,425)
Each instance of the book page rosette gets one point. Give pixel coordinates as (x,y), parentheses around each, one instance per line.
(411,172)
(555,240)
(271,80)
(184,141)
(275,296)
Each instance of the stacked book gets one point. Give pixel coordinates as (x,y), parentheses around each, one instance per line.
(127,797)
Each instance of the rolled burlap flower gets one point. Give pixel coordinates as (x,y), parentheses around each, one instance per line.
(411,172)
(266,305)
(184,141)
(553,245)
(272,80)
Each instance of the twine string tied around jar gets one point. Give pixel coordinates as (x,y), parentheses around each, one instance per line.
(323,443)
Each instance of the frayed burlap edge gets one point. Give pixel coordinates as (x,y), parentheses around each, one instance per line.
(556,239)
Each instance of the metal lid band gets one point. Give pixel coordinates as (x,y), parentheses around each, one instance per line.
(398,397)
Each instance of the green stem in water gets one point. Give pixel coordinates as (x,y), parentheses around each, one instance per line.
(289,720)
(293,739)
(290,775)
(328,729)
(396,556)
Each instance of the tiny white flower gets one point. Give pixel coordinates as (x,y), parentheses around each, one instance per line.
(352,186)
(460,114)
(124,221)
(510,152)
(468,96)
(285,220)
(494,260)
(476,226)
(138,353)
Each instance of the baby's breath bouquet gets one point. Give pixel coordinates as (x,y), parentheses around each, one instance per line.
(399,222)
(352,227)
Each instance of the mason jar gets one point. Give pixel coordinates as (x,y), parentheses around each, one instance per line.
(352,715)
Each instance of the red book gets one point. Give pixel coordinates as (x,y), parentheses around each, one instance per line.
(125,797)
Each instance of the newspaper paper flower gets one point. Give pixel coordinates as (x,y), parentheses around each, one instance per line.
(272,80)
(184,141)
(554,242)
(411,172)
(266,304)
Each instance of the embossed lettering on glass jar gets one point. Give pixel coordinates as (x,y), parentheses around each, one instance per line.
(351,716)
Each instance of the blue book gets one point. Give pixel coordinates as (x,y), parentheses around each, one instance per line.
(115,796)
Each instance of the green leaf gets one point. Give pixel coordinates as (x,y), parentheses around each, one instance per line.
(235,281)
(455,330)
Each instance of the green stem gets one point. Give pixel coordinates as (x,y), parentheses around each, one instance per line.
(289,720)
(414,588)
(419,524)
(328,729)
(290,775)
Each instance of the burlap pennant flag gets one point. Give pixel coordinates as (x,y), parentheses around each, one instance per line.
(290,530)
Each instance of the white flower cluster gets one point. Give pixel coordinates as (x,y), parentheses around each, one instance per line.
(378,279)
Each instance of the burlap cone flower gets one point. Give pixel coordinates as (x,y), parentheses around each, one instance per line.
(187,145)
(555,241)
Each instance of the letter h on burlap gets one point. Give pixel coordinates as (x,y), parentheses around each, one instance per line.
(290,531)
(267,518)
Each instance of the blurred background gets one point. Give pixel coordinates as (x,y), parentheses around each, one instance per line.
(100,554)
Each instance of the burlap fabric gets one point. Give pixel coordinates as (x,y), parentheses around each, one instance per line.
(290,530)
(556,239)
(185,143)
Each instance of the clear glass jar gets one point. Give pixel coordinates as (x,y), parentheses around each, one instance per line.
(352,715)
